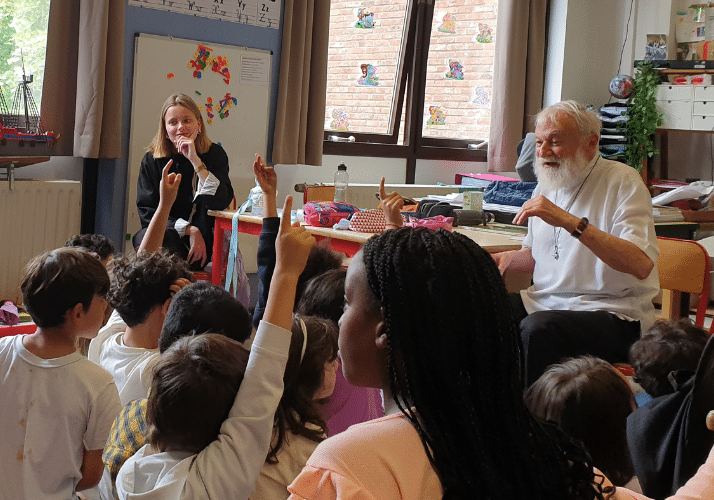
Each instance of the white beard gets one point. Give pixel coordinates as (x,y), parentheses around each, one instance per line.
(570,172)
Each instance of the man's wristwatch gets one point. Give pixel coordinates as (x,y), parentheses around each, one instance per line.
(578,231)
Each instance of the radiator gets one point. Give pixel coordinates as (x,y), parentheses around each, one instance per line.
(35,216)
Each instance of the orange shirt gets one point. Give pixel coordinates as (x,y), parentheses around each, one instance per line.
(381,458)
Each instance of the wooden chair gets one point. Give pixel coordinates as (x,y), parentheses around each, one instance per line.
(318,192)
(684,267)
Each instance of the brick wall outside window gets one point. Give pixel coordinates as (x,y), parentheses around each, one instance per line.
(368,107)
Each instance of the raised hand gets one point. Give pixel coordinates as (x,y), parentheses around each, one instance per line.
(392,203)
(292,248)
(169,185)
(266,176)
(292,245)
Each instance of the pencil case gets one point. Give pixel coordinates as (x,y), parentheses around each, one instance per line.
(327,213)
(369,221)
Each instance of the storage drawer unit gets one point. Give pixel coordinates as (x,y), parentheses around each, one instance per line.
(703,109)
(676,104)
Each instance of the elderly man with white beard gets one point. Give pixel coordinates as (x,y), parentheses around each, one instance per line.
(591,246)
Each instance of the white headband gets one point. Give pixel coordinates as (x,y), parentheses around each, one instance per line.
(304,342)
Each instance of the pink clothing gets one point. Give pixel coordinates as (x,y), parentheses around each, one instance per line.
(350,405)
(379,459)
(700,487)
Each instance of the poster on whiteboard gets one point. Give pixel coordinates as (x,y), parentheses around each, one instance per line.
(265,13)
(231,86)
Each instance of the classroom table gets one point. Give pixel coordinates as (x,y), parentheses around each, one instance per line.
(344,241)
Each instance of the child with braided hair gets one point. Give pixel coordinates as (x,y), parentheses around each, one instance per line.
(427,319)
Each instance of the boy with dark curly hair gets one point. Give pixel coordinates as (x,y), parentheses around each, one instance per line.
(141,291)
(97,243)
(666,348)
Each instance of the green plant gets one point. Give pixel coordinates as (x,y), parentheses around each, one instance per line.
(644,118)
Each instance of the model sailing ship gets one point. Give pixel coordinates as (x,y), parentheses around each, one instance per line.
(22,125)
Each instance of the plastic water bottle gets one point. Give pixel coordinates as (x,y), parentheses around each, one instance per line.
(342,179)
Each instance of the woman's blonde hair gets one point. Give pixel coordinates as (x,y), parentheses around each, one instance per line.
(161,146)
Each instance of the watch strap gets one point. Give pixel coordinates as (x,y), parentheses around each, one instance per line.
(578,231)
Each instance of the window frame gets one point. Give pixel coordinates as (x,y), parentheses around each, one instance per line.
(410,85)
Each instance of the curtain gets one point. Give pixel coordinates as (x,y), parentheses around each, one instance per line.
(300,117)
(82,92)
(518,74)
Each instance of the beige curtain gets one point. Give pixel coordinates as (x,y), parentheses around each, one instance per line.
(82,93)
(518,77)
(300,117)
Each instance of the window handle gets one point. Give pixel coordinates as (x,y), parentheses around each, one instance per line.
(479,145)
(337,138)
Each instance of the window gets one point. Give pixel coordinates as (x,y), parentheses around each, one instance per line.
(410,78)
(23,37)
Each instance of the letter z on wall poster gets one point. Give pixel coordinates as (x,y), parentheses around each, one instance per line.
(265,13)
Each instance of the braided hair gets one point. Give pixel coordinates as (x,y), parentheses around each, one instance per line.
(456,371)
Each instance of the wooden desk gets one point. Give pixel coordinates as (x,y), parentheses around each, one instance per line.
(347,242)
(11,162)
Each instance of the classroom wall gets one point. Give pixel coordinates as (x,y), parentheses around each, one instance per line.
(586,39)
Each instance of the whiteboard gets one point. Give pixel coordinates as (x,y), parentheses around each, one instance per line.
(162,67)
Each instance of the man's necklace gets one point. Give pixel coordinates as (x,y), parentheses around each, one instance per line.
(556,232)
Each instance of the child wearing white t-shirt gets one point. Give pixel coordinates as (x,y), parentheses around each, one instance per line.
(140,293)
(206,441)
(57,407)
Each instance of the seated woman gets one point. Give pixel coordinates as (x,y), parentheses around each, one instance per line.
(183,141)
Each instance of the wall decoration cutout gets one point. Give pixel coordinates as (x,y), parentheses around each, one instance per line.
(340,121)
(485,33)
(202,59)
(227,102)
(219,64)
(209,110)
(199,61)
(481,98)
(170,76)
(448,24)
(456,70)
(369,75)
(365,18)
(438,116)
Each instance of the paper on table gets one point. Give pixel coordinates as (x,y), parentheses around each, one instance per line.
(682,193)
(453,198)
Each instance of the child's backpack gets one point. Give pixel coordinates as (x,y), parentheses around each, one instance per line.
(327,213)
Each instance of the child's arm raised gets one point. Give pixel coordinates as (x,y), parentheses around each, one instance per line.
(168,189)
(392,203)
(292,249)
(229,467)
(268,181)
